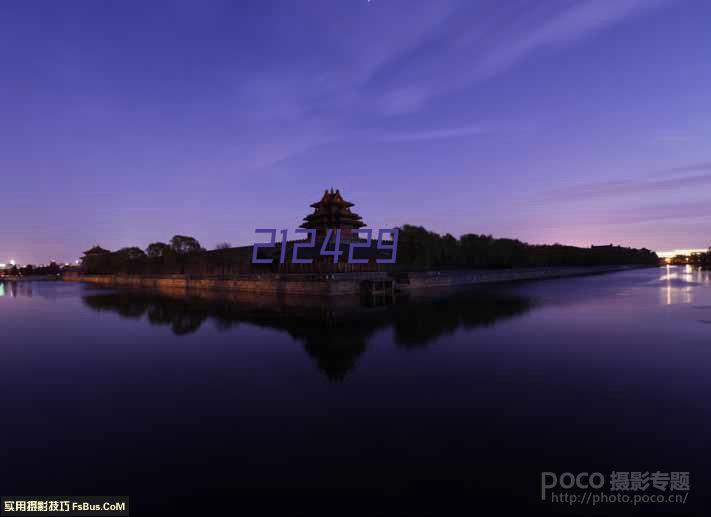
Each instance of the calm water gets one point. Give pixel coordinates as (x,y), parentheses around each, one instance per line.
(430,402)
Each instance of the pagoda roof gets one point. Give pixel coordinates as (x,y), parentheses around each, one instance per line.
(96,250)
(332,211)
(331,198)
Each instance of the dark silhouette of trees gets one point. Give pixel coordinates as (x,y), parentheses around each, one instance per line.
(43,270)
(334,339)
(420,249)
(158,249)
(183,244)
(695,259)
(127,260)
(681,260)
(132,253)
(223,246)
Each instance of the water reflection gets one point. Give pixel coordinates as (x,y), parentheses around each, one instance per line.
(334,332)
(10,289)
(677,284)
(472,393)
(45,289)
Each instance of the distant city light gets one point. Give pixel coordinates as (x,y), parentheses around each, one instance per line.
(12,262)
(674,253)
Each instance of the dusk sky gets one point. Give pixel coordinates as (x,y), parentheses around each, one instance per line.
(581,122)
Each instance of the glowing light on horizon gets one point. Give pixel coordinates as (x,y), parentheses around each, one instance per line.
(674,253)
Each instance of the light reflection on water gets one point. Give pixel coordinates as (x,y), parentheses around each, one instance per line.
(679,284)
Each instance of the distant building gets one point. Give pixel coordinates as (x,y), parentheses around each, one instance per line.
(95,259)
(8,266)
(96,250)
(682,252)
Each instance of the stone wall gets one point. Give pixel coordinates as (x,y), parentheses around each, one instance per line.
(319,285)
(335,284)
(467,277)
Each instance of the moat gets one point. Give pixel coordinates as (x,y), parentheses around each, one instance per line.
(461,395)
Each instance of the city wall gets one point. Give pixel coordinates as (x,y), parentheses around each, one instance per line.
(338,283)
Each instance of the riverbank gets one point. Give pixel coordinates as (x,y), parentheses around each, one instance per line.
(340,283)
(31,278)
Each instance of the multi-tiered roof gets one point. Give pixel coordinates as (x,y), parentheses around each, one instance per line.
(332,211)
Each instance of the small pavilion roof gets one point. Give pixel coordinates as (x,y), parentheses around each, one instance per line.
(96,250)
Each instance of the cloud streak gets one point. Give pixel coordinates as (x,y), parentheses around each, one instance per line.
(694,167)
(487,46)
(581,20)
(676,211)
(395,58)
(432,134)
(625,187)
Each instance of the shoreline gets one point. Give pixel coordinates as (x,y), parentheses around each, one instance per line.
(338,284)
(31,278)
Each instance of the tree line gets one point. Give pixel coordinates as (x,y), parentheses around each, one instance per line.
(170,256)
(702,260)
(31,270)
(418,250)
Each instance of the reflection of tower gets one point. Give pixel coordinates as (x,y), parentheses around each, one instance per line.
(335,336)
(335,352)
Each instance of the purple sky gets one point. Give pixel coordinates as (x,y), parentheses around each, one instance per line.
(123,123)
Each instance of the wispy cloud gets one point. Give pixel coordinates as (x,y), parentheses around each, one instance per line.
(454,55)
(694,167)
(625,187)
(579,21)
(688,210)
(403,100)
(394,58)
(431,134)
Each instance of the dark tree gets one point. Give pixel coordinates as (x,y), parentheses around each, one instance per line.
(183,244)
(158,249)
(132,253)
(420,249)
